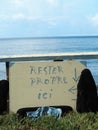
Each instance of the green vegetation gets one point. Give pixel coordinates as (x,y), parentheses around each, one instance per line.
(71,121)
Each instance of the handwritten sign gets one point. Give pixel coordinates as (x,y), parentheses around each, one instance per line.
(34,84)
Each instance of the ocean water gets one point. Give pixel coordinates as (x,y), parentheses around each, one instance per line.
(20,46)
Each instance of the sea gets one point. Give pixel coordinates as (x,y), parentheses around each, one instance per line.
(48,45)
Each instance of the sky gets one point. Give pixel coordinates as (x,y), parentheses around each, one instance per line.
(48,18)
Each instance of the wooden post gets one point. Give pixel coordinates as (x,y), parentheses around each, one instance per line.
(7,70)
(7,76)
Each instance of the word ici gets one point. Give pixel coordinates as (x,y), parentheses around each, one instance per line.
(44,95)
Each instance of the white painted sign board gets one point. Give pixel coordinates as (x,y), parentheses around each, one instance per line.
(35,84)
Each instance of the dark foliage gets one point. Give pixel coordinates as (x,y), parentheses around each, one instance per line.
(87,100)
(4,89)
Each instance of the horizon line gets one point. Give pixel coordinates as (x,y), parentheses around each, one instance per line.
(46,37)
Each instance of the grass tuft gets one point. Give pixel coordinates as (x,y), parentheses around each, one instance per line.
(71,121)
